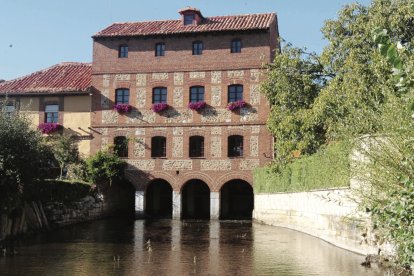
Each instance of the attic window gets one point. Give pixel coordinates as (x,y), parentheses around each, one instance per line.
(189,19)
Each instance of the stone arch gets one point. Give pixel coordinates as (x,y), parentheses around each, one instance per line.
(141,179)
(158,199)
(187,176)
(233,175)
(236,200)
(195,200)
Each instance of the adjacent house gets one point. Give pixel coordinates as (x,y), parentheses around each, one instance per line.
(56,99)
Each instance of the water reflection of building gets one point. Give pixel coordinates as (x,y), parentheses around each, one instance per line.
(186,162)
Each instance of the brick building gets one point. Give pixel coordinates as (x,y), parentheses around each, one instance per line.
(59,95)
(186,162)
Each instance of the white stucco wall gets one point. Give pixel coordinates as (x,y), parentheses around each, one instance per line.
(329,214)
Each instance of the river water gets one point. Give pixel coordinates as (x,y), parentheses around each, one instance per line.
(172,247)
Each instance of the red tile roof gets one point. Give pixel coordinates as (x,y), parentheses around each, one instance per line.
(209,24)
(66,77)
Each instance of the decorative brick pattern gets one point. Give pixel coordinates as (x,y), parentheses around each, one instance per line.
(174,116)
(106,80)
(235,74)
(143,165)
(141,117)
(198,128)
(216,95)
(141,97)
(104,143)
(139,147)
(236,128)
(105,98)
(216,131)
(254,94)
(141,79)
(254,146)
(140,131)
(109,117)
(255,129)
(178,97)
(197,75)
(216,77)
(219,115)
(103,131)
(122,77)
(248,114)
(176,165)
(178,145)
(178,131)
(159,76)
(215,165)
(178,78)
(215,146)
(162,129)
(249,164)
(254,75)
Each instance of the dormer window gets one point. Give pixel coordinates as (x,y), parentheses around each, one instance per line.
(191,16)
(188,19)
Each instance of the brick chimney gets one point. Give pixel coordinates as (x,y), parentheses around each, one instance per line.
(191,16)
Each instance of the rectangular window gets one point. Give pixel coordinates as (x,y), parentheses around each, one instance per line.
(160,49)
(52,113)
(235,146)
(196,146)
(158,146)
(235,46)
(197,48)
(121,146)
(235,93)
(188,19)
(159,95)
(122,96)
(196,94)
(10,108)
(123,51)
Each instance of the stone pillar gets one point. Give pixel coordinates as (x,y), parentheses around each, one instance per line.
(176,201)
(139,204)
(214,205)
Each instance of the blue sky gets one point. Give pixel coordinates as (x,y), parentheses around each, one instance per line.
(37,34)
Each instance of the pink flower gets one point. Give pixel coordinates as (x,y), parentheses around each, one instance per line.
(47,128)
(236,104)
(158,107)
(196,105)
(122,108)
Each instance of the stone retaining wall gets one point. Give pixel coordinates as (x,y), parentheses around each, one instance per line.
(329,214)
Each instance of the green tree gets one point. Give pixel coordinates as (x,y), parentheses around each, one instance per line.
(20,157)
(64,149)
(363,88)
(104,168)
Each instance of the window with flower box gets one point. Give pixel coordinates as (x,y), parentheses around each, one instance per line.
(52,113)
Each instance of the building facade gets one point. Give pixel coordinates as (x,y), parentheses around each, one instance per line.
(192,120)
(57,98)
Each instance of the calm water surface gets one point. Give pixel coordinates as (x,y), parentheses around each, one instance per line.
(169,247)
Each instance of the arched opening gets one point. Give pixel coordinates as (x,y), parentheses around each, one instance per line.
(158,199)
(236,200)
(195,199)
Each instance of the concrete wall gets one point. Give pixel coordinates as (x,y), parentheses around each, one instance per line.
(328,214)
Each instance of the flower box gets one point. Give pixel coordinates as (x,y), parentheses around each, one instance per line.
(47,128)
(158,107)
(196,105)
(122,108)
(235,105)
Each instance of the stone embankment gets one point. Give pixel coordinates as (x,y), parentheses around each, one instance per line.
(327,214)
(36,217)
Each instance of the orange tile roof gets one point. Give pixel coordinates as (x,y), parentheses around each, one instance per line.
(209,24)
(65,77)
